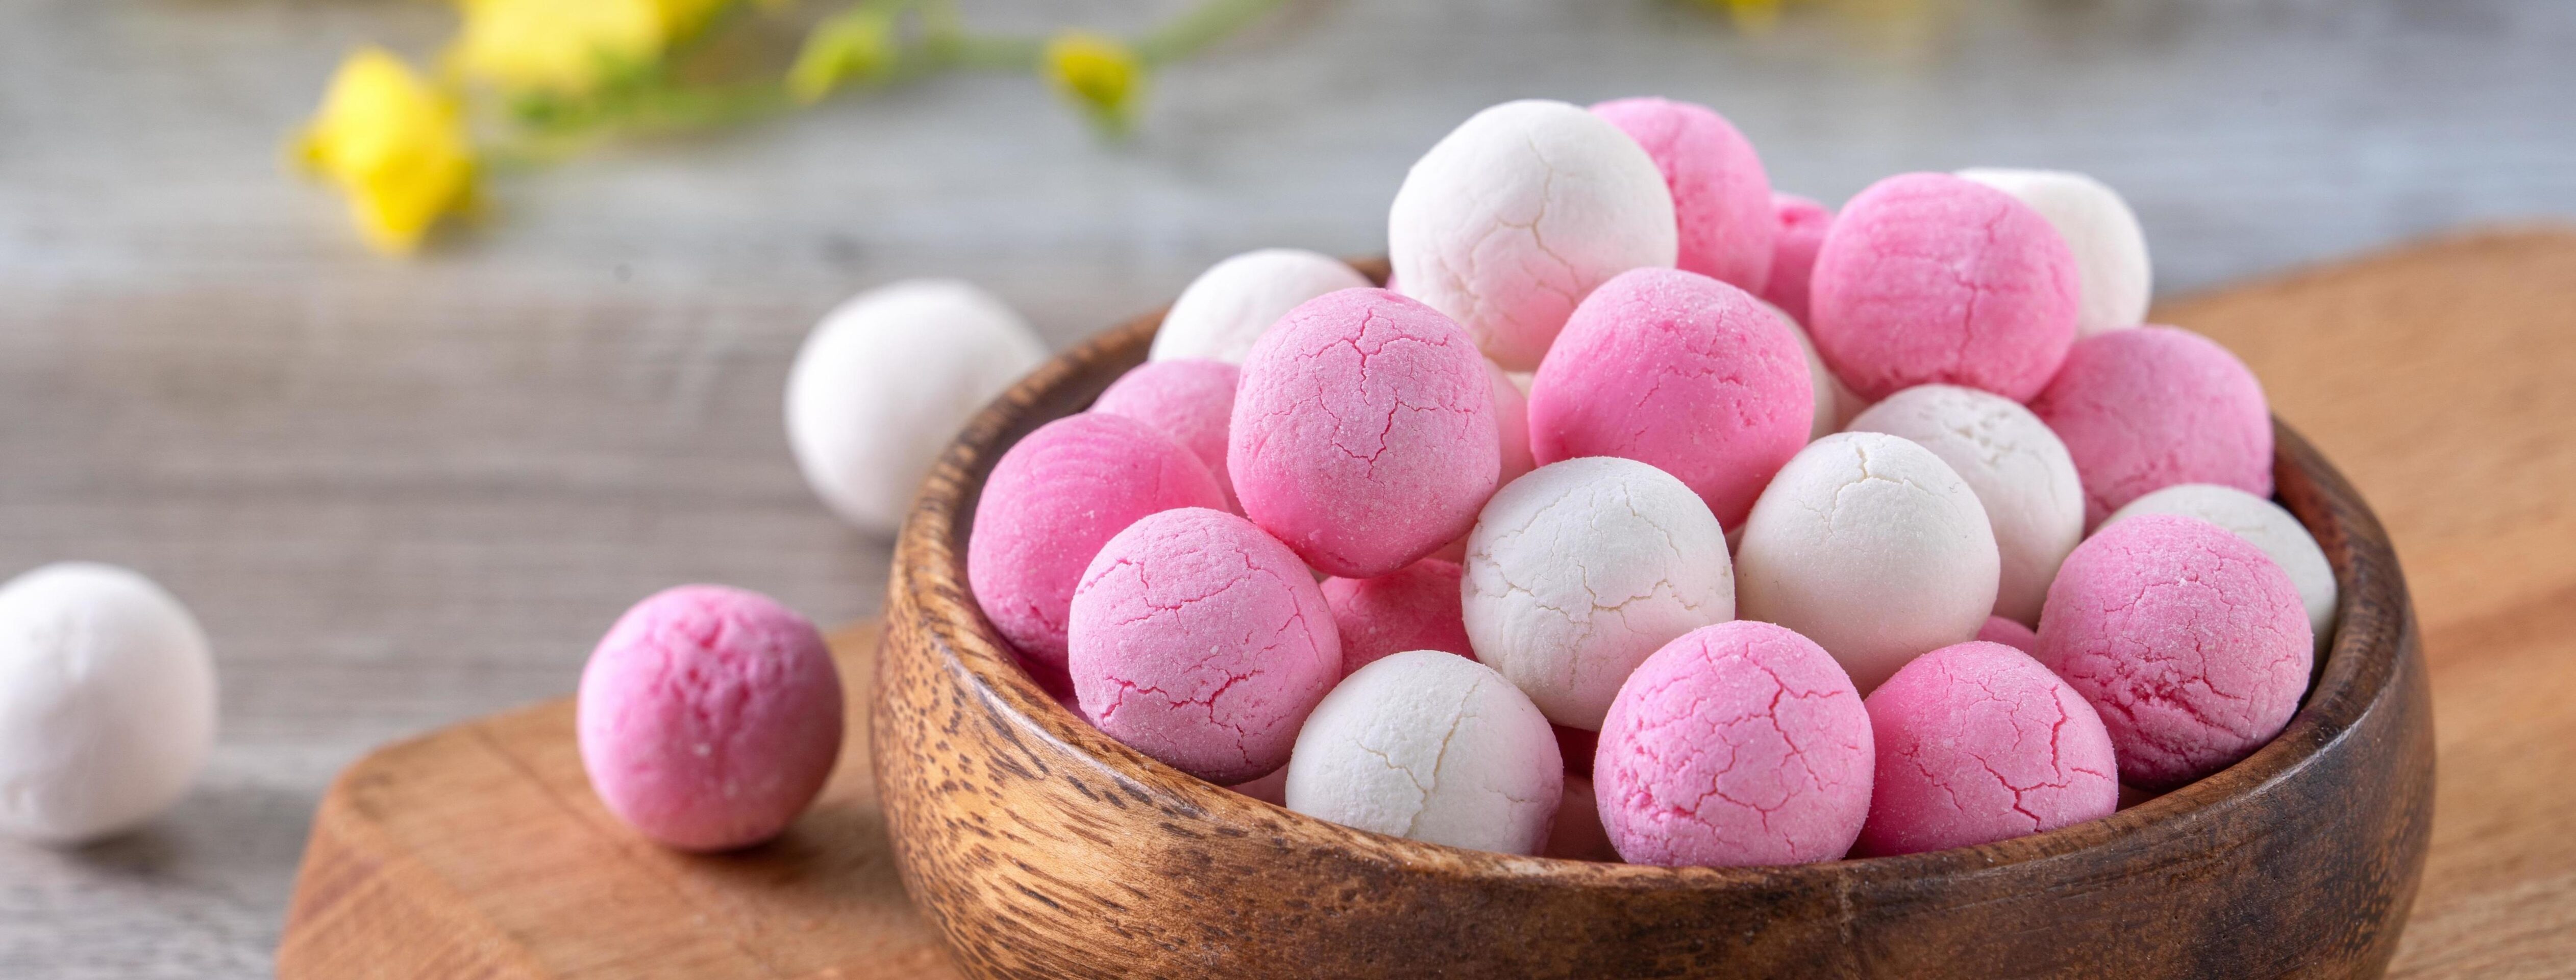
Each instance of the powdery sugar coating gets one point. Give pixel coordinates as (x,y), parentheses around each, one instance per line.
(2187,639)
(1737,744)
(1979,743)
(1050,503)
(2009,633)
(1930,278)
(1190,400)
(2018,468)
(1426,746)
(1412,608)
(1364,433)
(1229,306)
(1582,569)
(1874,548)
(2110,249)
(2269,526)
(1681,372)
(1202,642)
(1721,197)
(709,717)
(2145,409)
(1801,224)
(1516,214)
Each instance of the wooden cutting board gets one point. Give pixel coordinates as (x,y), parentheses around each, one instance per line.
(2441,378)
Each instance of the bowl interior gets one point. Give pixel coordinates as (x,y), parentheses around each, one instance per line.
(2357,667)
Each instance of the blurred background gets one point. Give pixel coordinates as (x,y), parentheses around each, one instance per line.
(400,492)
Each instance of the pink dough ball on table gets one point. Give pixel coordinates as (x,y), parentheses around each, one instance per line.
(1364,433)
(709,717)
(1681,372)
(1051,502)
(2009,633)
(2145,409)
(1412,608)
(1801,224)
(2189,641)
(1741,743)
(1721,197)
(1190,400)
(1203,642)
(1979,743)
(1929,278)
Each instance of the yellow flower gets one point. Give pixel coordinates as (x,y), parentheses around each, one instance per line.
(568,46)
(1098,73)
(857,45)
(397,147)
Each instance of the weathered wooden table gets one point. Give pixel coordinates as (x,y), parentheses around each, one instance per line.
(405,494)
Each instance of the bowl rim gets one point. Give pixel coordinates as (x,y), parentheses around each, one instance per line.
(2357,670)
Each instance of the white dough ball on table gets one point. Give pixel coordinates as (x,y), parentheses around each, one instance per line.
(107,702)
(1512,218)
(2110,249)
(1235,301)
(1579,571)
(1874,548)
(1433,747)
(2019,470)
(2267,526)
(885,381)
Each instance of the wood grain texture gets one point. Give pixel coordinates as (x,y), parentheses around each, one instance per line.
(2442,378)
(480,851)
(1042,848)
(2481,316)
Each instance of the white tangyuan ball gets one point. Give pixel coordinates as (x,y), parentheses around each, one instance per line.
(886,380)
(1433,747)
(1235,301)
(1874,548)
(1513,217)
(107,702)
(2019,469)
(2110,249)
(1580,570)
(1835,401)
(2265,525)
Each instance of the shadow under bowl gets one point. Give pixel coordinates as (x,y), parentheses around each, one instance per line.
(1041,847)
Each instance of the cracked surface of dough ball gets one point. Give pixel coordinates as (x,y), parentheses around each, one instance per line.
(1874,548)
(2269,526)
(1364,433)
(2189,640)
(709,717)
(1682,372)
(107,702)
(1721,197)
(1202,642)
(1515,215)
(1580,570)
(1412,608)
(1737,744)
(1052,501)
(1190,400)
(1222,312)
(1801,224)
(2020,471)
(2110,249)
(886,380)
(1928,278)
(1979,743)
(2145,409)
(1431,747)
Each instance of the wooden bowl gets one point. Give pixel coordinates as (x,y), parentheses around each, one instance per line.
(1043,848)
